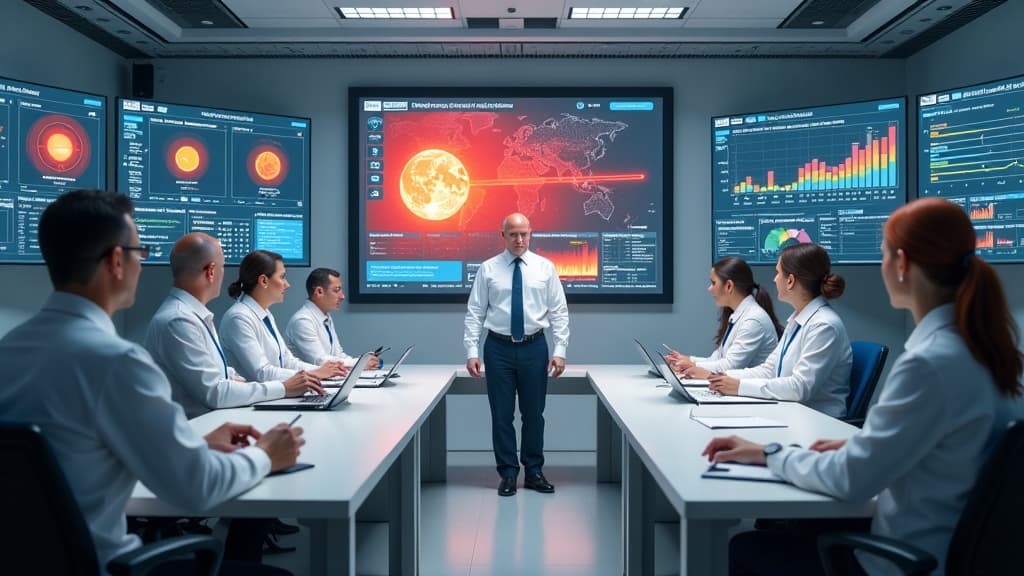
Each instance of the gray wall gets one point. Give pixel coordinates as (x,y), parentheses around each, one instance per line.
(37,48)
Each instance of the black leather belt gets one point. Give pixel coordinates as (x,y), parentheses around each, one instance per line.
(506,338)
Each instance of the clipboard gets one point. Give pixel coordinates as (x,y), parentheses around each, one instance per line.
(735,471)
(297,467)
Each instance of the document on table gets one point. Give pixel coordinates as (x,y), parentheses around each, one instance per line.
(734,471)
(717,418)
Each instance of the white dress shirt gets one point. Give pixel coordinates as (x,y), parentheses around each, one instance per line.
(490,301)
(921,446)
(815,366)
(750,340)
(307,336)
(250,347)
(106,410)
(183,342)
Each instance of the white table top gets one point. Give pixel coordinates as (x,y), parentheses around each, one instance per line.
(670,445)
(352,447)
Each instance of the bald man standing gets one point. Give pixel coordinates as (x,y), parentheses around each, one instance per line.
(183,340)
(516,296)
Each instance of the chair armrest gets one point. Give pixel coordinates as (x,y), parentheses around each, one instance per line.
(207,551)
(836,550)
(858,422)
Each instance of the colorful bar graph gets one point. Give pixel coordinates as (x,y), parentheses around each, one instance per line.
(871,164)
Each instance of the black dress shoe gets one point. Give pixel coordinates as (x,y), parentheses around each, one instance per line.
(281,529)
(539,483)
(507,486)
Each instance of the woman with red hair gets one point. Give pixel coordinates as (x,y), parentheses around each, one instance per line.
(924,441)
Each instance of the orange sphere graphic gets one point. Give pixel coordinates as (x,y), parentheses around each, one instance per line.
(267,165)
(434,184)
(59,147)
(187,158)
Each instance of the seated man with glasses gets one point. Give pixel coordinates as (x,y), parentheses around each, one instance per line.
(101,402)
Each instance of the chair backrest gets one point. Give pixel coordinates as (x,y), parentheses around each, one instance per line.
(987,539)
(42,530)
(868,361)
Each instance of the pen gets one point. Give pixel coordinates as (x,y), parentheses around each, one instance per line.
(667,347)
(380,350)
(294,420)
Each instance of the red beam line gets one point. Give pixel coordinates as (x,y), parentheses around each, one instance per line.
(639,177)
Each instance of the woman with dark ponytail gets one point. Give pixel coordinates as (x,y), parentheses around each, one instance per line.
(253,344)
(924,441)
(811,363)
(747,330)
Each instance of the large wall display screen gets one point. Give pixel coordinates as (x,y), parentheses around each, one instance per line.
(971,152)
(434,172)
(238,176)
(51,140)
(828,174)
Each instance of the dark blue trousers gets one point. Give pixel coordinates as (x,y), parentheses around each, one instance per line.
(517,368)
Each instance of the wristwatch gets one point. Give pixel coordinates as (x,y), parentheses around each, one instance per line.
(772,448)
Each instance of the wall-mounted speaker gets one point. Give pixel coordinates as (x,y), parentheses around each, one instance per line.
(142,80)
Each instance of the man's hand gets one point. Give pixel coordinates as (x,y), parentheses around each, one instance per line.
(724,384)
(734,449)
(556,366)
(300,383)
(826,445)
(230,437)
(374,362)
(330,369)
(473,366)
(281,444)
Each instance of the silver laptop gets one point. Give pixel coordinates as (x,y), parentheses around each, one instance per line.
(700,396)
(653,368)
(316,402)
(365,382)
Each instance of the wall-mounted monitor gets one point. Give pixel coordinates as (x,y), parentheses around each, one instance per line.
(51,140)
(827,174)
(434,171)
(971,152)
(241,177)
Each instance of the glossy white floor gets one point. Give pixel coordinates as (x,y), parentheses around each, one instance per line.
(468,530)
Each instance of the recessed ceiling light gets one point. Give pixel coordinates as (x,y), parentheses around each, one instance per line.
(817,23)
(206,22)
(630,13)
(379,13)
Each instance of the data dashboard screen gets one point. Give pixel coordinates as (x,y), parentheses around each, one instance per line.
(829,175)
(51,140)
(971,152)
(435,171)
(241,177)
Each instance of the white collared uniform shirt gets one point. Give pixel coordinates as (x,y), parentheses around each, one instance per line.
(750,341)
(306,336)
(181,340)
(490,301)
(106,410)
(815,367)
(921,447)
(250,347)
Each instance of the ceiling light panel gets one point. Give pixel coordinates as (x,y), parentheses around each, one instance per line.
(395,13)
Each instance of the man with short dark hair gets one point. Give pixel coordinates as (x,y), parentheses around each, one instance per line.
(310,334)
(102,403)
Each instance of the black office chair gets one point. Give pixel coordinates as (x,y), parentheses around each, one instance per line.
(868,362)
(43,532)
(987,539)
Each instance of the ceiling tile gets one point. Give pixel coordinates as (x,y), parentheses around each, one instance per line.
(280,8)
(744,8)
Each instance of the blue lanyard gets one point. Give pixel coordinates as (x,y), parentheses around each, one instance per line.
(270,328)
(726,336)
(786,347)
(215,344)
(330,337)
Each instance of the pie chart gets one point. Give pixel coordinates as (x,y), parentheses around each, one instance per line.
(780,237)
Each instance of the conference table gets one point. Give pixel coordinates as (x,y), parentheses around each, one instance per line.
(372,442)
(371,455)
(662,461)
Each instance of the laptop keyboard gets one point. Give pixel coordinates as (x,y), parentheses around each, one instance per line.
(704,394)
(316,399)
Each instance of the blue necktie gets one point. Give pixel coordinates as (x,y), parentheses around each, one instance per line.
(786,347)
(216,345)
(330,337)
(518,325)
(270,328)
(726,335)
